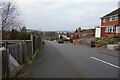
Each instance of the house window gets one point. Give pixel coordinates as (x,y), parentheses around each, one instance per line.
(113,29)
(110,29)
(116,18)
(113,18)
(104,20)
(106,29)
(117,29)
(110,18)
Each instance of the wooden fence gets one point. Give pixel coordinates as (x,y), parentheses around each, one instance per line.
(17,53)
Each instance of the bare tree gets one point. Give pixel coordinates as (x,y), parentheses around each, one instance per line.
(8,14)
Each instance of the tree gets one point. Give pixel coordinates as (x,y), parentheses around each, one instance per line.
(8,14)
(24,35)
(23,29)
(68,34)
(14,34)
(76,31)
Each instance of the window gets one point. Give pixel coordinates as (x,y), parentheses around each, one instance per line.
(113,18)
(110,29)
(110,18)
(116,18)
(104,20)
(113,29)
(106,29)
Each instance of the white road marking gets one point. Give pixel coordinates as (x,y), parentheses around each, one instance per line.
(105,62)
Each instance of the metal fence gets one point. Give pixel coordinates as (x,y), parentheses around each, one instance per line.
(17,53)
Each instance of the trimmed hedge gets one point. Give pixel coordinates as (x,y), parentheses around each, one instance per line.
(105,41)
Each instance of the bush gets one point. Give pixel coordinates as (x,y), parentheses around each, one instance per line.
(24,36)
(105,41)
(100,43)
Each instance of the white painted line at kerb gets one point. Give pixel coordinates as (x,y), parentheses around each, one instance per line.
(105,62)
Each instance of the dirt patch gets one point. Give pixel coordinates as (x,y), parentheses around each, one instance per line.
(24,71)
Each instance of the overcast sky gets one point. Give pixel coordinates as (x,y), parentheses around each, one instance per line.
(67,15)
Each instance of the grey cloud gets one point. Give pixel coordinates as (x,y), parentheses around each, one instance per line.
(65,15)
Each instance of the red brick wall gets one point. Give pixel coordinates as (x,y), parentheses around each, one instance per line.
(119,19)
(102,31)
(117,34)
(109,34)
(108,23)
(76,41)
(112,34)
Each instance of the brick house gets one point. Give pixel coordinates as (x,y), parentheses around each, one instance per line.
(110,24)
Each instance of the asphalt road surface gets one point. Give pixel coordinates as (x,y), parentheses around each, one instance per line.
(74,61)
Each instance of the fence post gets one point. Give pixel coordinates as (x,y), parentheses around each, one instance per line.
(20,53)
(23,52)
(32,45)
(1,49)
(5,63)
(7,60)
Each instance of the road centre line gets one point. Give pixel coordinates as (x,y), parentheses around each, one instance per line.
(105,62)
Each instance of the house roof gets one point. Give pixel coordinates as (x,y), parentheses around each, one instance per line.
(62,33)
(87,31)
(112,13)
(71,33)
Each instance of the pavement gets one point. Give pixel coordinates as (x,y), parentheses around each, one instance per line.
(74,61)
(49,64)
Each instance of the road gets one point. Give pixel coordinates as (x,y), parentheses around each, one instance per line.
(74,61)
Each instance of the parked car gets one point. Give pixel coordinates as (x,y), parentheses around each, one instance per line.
(60,41)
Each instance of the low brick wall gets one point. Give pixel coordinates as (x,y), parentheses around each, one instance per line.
(67,41)
(88,44)
(76,42)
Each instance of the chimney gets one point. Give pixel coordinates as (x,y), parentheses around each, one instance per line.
(79,32)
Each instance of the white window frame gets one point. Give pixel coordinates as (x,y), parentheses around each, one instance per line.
(113,18)
(104,19)
(116,18)
(106,29)
(110,18)
(114,29)
(117,29)
(110,29)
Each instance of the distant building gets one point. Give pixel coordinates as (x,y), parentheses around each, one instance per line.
(63,34)
(84,32)
(110,25)
(87,31)
(71,34)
